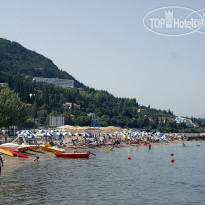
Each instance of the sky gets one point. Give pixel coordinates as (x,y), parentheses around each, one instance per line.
(105,45)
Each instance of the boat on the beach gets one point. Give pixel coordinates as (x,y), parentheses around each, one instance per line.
(19,148)
(73,155)
(53,149)
(17,154)
(134,143)
(142,144)
(20,144)
(5,151)
(12,152)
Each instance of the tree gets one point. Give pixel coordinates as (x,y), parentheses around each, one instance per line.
(143,121)
(12,109)
(171,124)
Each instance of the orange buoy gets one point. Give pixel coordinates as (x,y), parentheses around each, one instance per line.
(129,158)
(172,154)
(172,160)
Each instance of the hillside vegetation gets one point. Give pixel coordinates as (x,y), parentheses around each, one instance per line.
(19,65)
(15,59)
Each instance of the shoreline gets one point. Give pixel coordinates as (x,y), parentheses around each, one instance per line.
(82,149)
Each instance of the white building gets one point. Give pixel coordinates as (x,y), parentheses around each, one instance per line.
(65,83)
(187,122)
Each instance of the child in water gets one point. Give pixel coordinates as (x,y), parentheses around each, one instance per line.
(36,159)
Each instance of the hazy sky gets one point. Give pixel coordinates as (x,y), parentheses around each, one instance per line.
(104,44)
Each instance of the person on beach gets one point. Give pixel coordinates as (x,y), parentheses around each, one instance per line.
(5,136)
(52,143)
(36,159)
(150,146)
(112,148)
(61,143)
(1,163)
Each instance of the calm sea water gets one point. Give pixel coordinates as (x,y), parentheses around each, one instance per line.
(110,178)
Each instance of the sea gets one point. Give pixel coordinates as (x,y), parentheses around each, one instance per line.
(148,177)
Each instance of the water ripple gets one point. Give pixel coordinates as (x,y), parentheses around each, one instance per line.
(109,178)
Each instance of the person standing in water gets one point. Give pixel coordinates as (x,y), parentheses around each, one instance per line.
(183,145)
(150,146)
(1,164)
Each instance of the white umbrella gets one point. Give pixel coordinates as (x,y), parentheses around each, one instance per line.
(67,134)
(47,134)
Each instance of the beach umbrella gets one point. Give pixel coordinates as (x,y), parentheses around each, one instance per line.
(47,134)
(59,134)
(85,134)
(40,132)
(160,136)
(54,133)
(31,136)
(25,132)
(51,131)
(121,134)
(67,134)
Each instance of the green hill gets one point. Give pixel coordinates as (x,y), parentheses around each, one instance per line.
(19,65)
(15,59)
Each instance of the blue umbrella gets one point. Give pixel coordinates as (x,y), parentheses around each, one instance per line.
(47,134)
(31,136)
(25,132)
(67,134)
(85,134)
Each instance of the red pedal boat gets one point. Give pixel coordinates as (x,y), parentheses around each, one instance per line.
(73,155)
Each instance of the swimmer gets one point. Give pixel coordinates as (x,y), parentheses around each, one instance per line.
(36,159)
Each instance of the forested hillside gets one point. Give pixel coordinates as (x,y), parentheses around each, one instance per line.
(15,59)
(19,65)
